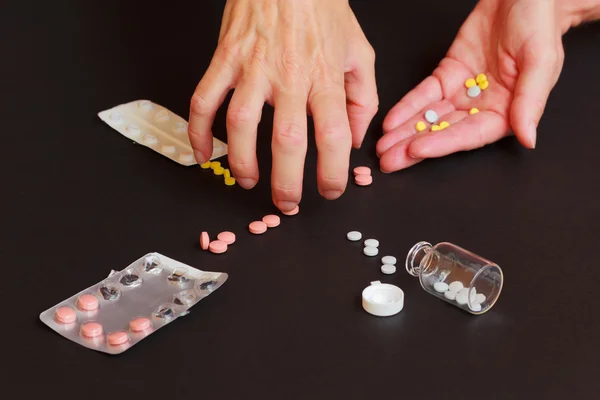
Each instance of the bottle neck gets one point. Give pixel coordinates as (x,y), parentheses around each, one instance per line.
(415,257)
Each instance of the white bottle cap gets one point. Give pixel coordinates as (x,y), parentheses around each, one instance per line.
(382,299)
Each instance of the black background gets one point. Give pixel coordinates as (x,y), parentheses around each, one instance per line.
(78,199)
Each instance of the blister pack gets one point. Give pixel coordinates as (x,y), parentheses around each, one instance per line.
(153,126)
(127,306)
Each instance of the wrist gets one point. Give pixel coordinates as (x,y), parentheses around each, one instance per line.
(580,11)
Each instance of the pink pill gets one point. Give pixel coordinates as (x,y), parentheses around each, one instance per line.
(271,220)
(257,227)
(295,211)
(363,180)
(87,302)
(65,315)
(204,240)
(227,237)
(139,324)
(217,247)
(117,338)
(91,329)
(362,171)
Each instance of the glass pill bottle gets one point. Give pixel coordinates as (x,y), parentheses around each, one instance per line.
(456,275)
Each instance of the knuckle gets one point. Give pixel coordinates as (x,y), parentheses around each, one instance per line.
(228,51)
(199,106)
(333,182)
(238,116)
(333,136)
(287,190)
(289,135)
(291,63)
(242,167)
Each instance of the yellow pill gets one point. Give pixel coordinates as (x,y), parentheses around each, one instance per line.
(481,78)
(435,128)
(226,173)
(205,165)
(421,126)
(444,124)
(215,164)
(470,83)
(230,181)
(219,171)
(473,111)
(484,85)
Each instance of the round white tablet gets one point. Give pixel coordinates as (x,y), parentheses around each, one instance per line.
(371,243)
(450,295)
(440,287)
(455,286)
(479,298)
(370,251)
(476,307)
(389,260)
(431,116)
(354,236)
(474,91)
(388,269)
(461,298)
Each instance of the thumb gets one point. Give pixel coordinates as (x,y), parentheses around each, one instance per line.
(539,70)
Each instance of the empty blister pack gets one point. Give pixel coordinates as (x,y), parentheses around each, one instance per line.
(156,127)
(127,306)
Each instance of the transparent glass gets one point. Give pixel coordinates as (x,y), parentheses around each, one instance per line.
(456,275)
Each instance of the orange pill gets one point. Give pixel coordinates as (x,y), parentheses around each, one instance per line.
(91,329)
(117,338)
(65,315)
(87,302)
(257,227)
(362,171)
(204,240)
(294,211)
(271,220)
(227,237)
(139,324)
(363,180)
(217,247)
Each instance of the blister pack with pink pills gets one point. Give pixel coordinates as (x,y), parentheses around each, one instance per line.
(157,128)
(123,309)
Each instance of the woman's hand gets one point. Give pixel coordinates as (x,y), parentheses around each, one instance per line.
(518,45)
(299,56)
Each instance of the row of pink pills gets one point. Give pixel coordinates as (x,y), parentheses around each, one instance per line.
(268,221)
(219,246)
(362,176)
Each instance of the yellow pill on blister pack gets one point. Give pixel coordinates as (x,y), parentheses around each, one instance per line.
(219,170)
(215,164)
(421,126)
(484,85)
(481,78)
(470,83)
(205,165)
(227,173)
(444,124)
(230,181)
(435,128)
(473,111)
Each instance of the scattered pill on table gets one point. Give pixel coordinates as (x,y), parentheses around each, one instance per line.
(117,338)
(227,237)
(473,92)
(139,324)
(444,124)
(91,329)
(354,236)
(65,315)
(456,286)
(431,116)
(435,128)
(205,165)
(388,269)
(363,180)
(215,164)
(421,126)
(371,243)
(391,260)
(271,220)
(230,181)
(484,85)
(370,251)
(218,170)
(217,247)
(257,227)
(294,211)
(473,111)
(87,302)
(450,295)
(470,83)
(362,170)
(440,287)
(481,78)
(204,240)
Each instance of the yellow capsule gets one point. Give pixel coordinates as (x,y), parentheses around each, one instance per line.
(473,111)
(484,85)
(470,83)
(205,165)
(215,164)
(219,171)
(481,78)
(230,181)
(435,128)
(421,126)
(444,124)
(227,173)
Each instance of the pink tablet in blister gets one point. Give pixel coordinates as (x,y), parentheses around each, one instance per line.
(123,309)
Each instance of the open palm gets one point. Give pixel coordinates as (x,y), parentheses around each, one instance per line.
(518,45)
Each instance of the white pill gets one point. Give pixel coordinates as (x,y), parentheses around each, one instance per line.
(461,298)
(391,260)
(450,295)
(145,105)
(474,91)
(441,287)
(476,307)
(149,139)
(162,116)
(132,130)
(455,286)
(181,127)
(169,149)
(187,157)
(431,116)
(479,298)
(354,236)
(371,243)
(371,251)
(388,269)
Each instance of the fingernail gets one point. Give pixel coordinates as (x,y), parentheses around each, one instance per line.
(286,205)
(200,159)
(246,183)
(532,134)
(385,172)
(332,194)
